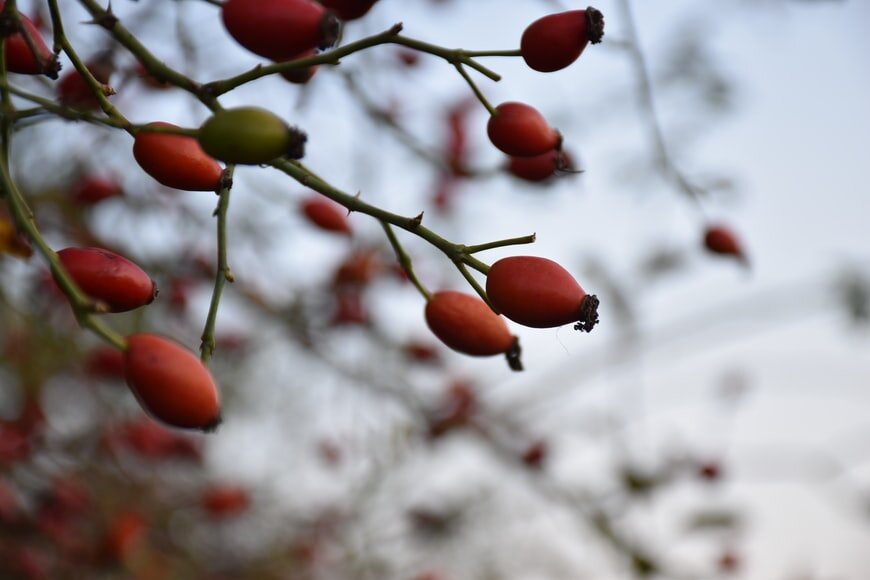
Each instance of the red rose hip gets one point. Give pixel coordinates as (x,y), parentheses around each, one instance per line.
(105,276)
(91,190)
(279,29)
(176,160)
(326,214)
(521,131)
(301,76)
(21,59)
(349,9)
(225,501)
(540,293)
(171,383)
(719,239)
(555,41)
(539,168)
(466,324)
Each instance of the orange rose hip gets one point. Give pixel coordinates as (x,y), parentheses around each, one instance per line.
(171,383)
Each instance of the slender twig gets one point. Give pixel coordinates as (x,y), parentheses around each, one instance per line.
(152,64)
(61,111)
(334,56)
(457,253)
(647,102)
(452,56)
(404,259)
(483,53)
(530,239)
(301,174)
(95,86)
(474,284)
(83,307)
(381,116)
(7,108)
(224,274)
(475,89)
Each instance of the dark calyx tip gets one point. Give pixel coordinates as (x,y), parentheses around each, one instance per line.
(298,138)
(154,292)
(588,313)
(51,68)
(513,356)
(213,425)
(594,24)
(330,29)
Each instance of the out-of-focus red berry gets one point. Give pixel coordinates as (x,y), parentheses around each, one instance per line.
(225,501)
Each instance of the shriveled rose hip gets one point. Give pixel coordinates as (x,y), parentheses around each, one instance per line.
(555,41)
(112,279)
(540,293)
(466,324)
(171,383)
(521,131)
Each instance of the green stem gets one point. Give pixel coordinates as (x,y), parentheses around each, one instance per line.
(404,259)
(94,85)
(475,89)
(152,64)
(481,267)
(500,244)
(334,56)
(452,56)
(483,53)
(224,274)
(411,224)
(474,284)
(7,112)
(61,111)
(457,253)
(83,307)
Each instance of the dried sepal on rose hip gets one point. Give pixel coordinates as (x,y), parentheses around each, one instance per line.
(111,279)
(280,29)
(176,161)
(555,41)
(521,131)
(468,325)
(250,135)
(171,383)
(540,293)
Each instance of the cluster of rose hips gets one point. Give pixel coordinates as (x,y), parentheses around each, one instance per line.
(169,381)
